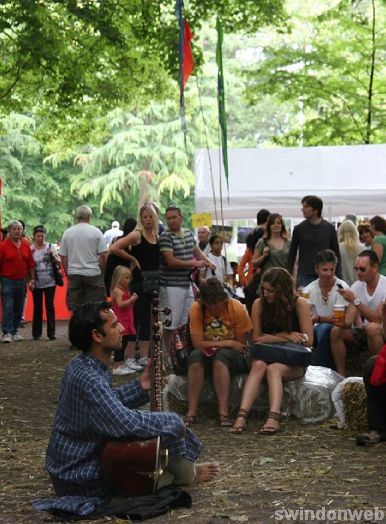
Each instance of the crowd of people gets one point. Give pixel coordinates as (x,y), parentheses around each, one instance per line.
(292,291)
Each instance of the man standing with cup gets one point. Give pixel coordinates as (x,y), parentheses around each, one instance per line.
(365,299)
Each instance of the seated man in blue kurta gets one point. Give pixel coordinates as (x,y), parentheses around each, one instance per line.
(90,412)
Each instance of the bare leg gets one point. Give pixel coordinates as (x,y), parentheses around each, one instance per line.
(276,373)
(250,392)
(168,339)
(221,382)
(196,378)
(339,337)
(130,350)
(374,337)
(144,346)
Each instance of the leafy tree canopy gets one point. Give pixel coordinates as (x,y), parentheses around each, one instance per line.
(67,59)
(331,67)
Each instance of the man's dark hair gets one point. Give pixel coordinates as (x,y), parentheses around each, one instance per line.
(262,216)
(212,291)
(85,319)
(252,238)
(315,202)
(379,224)
(325,256)
(373,257)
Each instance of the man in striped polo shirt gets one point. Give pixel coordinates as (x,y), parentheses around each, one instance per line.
(180,254)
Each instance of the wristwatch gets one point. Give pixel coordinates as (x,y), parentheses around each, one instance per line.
(357,302)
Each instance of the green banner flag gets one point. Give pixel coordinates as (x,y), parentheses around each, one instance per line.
(221,100)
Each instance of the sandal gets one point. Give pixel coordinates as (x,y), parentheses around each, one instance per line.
(225,421)
(190,420)
(369,439)
(237,428)
(269,429)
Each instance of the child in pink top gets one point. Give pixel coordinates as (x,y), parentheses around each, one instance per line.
(123,306)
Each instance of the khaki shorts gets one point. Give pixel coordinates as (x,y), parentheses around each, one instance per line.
(179,299)
(82,289)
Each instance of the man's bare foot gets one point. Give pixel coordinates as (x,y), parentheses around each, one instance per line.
(206,471)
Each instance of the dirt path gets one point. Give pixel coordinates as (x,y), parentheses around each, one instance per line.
(304,467)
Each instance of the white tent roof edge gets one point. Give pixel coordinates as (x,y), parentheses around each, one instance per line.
(349,179)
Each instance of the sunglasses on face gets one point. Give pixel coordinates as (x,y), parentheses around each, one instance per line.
(361,269)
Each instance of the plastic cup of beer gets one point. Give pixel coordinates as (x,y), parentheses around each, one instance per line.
(339,313)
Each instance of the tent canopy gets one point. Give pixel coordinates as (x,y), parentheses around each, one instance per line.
(349,179)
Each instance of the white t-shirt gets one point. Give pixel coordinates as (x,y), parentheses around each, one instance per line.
(112,233)
(44,275)
(325,308)
(223,269)
(371,301)
(82,244)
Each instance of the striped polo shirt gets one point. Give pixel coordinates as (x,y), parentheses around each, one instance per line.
(182,245)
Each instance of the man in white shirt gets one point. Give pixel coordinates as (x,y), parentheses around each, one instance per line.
(83,252)
(203,234)
(365,299)
(112,233)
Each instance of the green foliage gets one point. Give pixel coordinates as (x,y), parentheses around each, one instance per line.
(143,157)
(67,59)
(332,72)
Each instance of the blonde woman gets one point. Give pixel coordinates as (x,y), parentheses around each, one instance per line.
(349,247)
(144,255)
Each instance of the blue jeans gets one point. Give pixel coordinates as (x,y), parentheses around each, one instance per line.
(322,347)
(13,293)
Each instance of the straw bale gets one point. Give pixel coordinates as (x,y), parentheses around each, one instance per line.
(354,402)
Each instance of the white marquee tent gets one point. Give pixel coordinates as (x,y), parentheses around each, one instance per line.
(349,179)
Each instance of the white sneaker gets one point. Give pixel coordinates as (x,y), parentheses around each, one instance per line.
(143,361)
(133,365)
(7,338)
(122,370)
(17,338)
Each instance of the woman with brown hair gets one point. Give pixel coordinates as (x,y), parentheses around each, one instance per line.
(272,250)
(279,315)
(366,236)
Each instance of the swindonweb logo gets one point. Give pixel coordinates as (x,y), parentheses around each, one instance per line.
(326,515)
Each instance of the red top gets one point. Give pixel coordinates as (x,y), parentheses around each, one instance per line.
(125,315)
(15,262)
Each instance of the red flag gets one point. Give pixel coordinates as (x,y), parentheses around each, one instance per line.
(187,64)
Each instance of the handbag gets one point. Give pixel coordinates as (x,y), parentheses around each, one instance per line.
(56,270)
(150,280)
(254,284)
(284,353)
(180,350)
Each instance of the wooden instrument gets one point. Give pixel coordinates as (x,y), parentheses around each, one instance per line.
(132,468)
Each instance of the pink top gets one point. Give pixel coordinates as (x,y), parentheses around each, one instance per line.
(125,315)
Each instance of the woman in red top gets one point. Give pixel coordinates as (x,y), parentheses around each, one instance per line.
(16,267)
